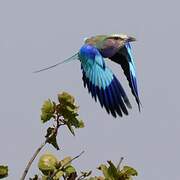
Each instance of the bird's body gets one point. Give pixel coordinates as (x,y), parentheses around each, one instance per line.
(107,45)
(99,79)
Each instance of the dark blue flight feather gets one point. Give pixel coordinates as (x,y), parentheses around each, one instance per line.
(101,82)
(125,59)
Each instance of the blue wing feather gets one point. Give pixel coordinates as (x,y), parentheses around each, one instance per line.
(125,59)
(101,82)
(132,68)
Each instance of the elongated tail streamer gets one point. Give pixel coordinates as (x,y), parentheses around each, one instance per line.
(74,57)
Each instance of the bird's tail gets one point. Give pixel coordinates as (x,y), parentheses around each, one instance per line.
(74,57)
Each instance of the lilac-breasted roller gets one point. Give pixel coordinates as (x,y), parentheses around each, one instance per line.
(99,79)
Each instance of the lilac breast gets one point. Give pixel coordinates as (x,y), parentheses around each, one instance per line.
(108,52)
(109,48)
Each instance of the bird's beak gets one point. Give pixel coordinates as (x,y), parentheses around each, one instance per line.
(131,39)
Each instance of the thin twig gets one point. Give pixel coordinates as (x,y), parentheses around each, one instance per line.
(81,177)
(39,149)
(119,164)
(31,160)
(73,159)
(84,175)
(54,174)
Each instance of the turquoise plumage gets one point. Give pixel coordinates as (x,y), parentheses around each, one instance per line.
(102,84)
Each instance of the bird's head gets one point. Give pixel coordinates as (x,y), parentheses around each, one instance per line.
(122,37)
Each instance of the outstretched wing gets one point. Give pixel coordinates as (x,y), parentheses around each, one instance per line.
(125,59)
(101,82)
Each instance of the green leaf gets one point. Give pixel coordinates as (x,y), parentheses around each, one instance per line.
(81,124)
(104,170)
(112,170)
(58,175)
(47,163)
(69,111)
(71,129)
(72,176)
(112,173)
(47,110)
(66,112)
(52,137)
(34,178)
(74,122)
(44,177)
(66,98)
(67,107)
(66,161)
(86,174)
(3,171)
(72,109)
(69,170)
(128,172)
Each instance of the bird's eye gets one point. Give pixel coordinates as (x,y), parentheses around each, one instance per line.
(116,38)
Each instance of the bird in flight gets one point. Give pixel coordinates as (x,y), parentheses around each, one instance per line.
(101,82)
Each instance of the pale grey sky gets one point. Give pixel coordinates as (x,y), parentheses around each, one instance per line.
(37,33)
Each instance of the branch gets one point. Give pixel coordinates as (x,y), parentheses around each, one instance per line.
(73,159)
(31,160)
(39,149)
(119,164)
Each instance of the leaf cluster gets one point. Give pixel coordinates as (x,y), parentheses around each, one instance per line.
(111,172)
(54,169)
(64,112)
(3,171)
